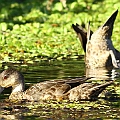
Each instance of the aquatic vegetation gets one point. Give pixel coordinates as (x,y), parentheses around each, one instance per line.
(29,32)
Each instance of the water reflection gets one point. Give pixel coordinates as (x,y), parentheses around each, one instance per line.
(102,73)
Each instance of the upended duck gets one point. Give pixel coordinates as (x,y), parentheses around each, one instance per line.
(98,47)
(71,89)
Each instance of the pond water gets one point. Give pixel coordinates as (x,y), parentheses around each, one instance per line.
(48,70)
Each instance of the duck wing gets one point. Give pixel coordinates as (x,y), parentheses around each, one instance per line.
(53,89)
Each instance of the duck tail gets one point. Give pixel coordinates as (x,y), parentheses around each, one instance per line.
(88,32)
(110,22)
(82,35)
(96,90)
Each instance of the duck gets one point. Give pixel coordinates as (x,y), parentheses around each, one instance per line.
(98,46)
(68,89)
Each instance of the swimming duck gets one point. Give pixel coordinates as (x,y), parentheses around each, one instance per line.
(98,47)
(71,89)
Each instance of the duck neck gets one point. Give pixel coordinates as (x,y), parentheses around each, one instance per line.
(18,88)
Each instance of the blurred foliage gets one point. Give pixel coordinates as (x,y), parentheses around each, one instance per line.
(31,32)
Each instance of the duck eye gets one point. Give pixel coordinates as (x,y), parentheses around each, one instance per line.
(5,77)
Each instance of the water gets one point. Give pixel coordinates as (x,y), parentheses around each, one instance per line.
(48,70)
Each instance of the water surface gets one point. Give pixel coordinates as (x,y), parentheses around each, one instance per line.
(48,70)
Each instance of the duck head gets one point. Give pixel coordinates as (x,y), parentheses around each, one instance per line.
(12,78)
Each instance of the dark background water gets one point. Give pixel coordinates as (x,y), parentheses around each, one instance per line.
(48,70)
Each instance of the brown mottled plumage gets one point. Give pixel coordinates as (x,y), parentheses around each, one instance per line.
(98,46)
(71,89)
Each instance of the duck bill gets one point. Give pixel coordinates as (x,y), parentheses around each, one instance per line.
(1,89)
